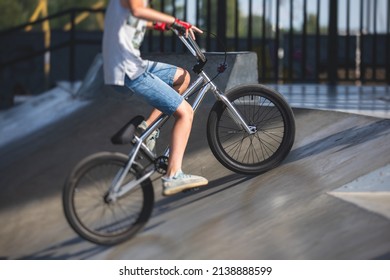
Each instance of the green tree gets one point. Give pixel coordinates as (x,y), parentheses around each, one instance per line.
(17,12)
(8,10)
(61,5)
(312,25)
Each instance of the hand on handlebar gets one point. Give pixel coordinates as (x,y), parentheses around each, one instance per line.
(185,28)
(160,26)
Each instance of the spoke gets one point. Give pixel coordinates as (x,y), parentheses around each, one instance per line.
(86,212)
(275,137)
(234,144)
(267,146)
(257,115)
(237,150)
(271,119)
(255,155)
(105,218)
(258,109)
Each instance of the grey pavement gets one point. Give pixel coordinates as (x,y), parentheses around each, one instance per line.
(367,100)
(328,200)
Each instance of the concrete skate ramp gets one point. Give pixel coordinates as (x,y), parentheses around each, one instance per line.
(283,214)
(286,213)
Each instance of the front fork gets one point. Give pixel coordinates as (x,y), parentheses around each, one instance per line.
(236,116)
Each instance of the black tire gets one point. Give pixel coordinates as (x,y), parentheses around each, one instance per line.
(257,153)
(86,209)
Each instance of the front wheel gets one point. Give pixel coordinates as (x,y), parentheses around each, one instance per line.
(260,107)
(88,210)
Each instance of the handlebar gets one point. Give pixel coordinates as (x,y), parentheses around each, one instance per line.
(192,46)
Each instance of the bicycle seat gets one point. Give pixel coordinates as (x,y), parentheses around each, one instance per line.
(126,133)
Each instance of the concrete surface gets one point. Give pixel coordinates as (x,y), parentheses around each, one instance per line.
(290,212)
(367,100)
(286,213)
(371,191)
(38,111)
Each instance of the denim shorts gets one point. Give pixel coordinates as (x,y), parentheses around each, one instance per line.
(154,86)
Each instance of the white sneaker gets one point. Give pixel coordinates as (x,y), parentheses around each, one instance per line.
(180,182)
(150,142)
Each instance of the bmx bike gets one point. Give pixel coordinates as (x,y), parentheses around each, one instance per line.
(108,197)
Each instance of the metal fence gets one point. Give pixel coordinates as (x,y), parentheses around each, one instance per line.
(297,41)
(331,41)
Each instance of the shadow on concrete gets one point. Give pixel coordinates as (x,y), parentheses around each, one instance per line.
(211,190)
(82,249)
(344,139)
(51,253)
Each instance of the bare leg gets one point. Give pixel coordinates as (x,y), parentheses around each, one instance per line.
(175,180)
(181,80)
(182,126)
(179,138)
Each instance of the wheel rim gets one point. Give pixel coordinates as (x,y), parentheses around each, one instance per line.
(256,148)
(94,213)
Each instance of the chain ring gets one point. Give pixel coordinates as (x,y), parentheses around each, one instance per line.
(161,165)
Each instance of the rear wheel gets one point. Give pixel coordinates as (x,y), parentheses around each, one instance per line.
(88,210)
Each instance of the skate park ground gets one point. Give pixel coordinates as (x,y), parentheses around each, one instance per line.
(330,198)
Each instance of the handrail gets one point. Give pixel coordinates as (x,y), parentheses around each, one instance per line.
(68,44)
(55,15)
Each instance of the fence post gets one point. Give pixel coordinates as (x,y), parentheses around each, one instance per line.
(332,43)
(72,46)
(387,67)
(221,22)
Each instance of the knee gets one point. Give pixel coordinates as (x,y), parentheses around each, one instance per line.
(188,111)
(181,80)
(185,112)
(187,79)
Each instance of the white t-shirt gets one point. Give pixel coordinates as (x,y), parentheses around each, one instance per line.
(123,35)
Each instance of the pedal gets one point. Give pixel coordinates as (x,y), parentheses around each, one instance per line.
(161,165)
(190,190)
